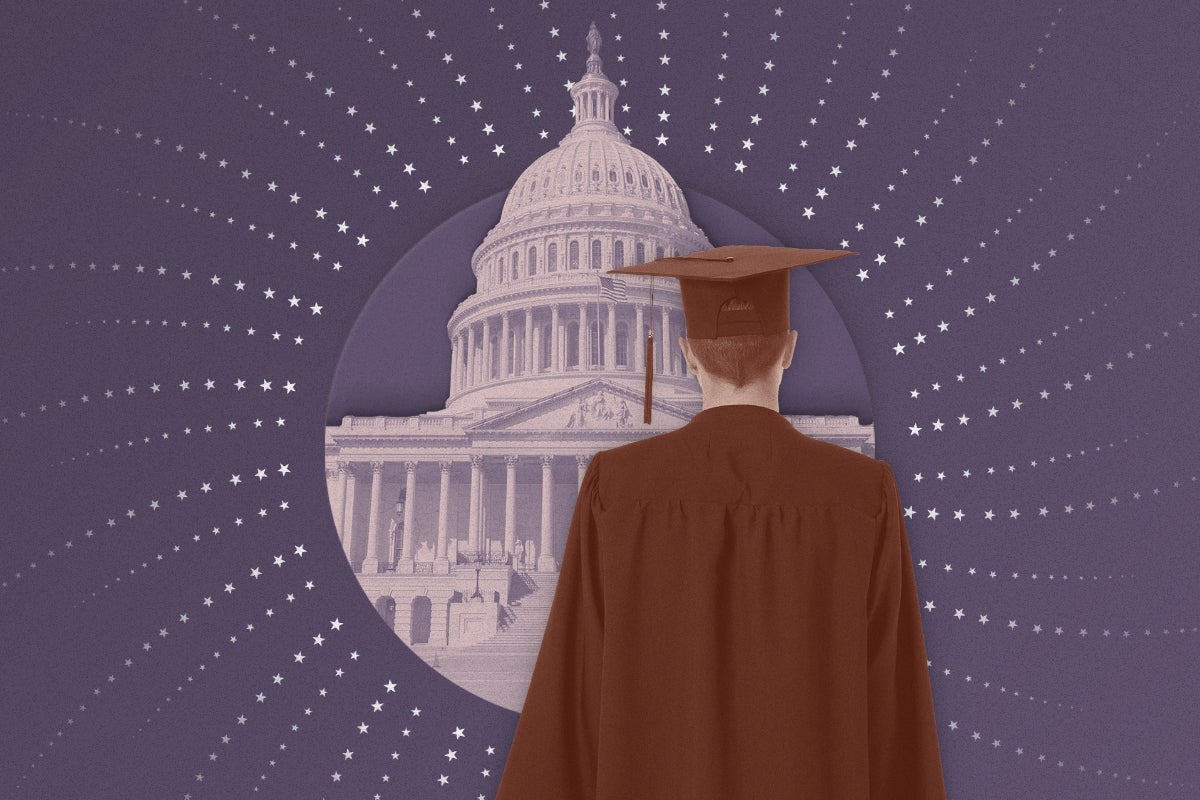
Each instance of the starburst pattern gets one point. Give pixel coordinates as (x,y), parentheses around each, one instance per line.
(201,196)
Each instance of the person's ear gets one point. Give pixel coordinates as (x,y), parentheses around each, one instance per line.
(686,349)
(790,350)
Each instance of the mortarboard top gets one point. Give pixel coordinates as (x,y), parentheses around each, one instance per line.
(708,278)
(757,274)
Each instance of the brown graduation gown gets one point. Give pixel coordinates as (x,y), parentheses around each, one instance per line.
(736,617)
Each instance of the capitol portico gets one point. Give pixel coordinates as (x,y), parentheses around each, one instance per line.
(455,520)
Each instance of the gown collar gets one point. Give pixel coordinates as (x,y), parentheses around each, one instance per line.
(738,414)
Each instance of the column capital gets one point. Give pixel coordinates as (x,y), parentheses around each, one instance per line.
(444,466)
(377,466)
(511,461)
(411,466)
(476,461)
(332,472)
(581,460)
(547,461)
(346,466)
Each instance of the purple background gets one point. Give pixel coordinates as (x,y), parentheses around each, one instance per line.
(1106,118)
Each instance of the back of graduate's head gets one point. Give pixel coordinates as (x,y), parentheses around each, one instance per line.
(735,309)
(743,359)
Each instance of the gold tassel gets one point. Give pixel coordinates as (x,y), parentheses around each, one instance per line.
(649,376)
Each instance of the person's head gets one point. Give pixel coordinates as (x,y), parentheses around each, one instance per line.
(735,302)
(730,363)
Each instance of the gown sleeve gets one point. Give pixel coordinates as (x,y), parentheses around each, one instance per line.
(902,730)
(554,749)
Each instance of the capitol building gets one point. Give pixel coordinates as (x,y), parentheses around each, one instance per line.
(455,520)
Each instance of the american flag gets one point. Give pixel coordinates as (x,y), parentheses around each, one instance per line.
(612,288)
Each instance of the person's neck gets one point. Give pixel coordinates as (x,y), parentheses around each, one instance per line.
(761,393)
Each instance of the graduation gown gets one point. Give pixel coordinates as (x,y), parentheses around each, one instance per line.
(736,617)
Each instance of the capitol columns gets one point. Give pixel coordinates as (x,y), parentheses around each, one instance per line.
(463,356)
(348,508)
(506,354)
(339,505)
(666,341)
(473,507)
(555,347)
(545,562)
(610,338)
(486,372)
(453,364)
(472,376)
(639,351)
(584,331)
(464,361)
(510,503)
(370,564)
(441,563)
(410,501)
(581,463)
(529,370)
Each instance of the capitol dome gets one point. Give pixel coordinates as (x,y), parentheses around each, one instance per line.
(600,167)
(594,162)
(592,203)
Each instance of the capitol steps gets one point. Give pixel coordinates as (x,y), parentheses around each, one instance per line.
(499,668)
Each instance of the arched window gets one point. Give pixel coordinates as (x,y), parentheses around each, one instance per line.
(595,174)
(572,344)
(612,175)
(552,257)
(533,261)
(618,253)
(500,271)
(640,251)
(628,176)
(658,251)
(595,254)
(671,195)
(622,344)
(516,263)
(645,183)
(573,255)
(386,606)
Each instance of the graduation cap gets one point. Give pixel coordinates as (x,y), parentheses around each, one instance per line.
(757,274)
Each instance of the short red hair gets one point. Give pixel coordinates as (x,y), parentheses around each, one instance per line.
(739,359)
